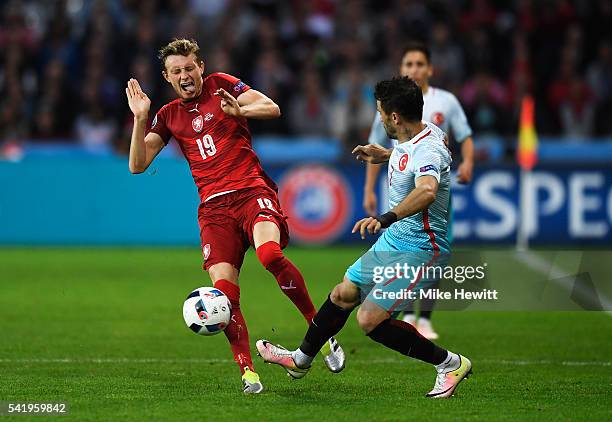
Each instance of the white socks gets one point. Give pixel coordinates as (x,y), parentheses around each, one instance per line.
(451,363)
(301,359)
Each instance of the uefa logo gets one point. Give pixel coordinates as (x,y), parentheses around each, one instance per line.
(318,202)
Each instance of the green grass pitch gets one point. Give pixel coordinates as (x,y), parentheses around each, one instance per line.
(102,330)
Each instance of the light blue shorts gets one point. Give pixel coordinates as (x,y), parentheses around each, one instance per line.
(391,276)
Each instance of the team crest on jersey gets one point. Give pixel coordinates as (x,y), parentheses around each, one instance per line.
(318,202)
(437,118)
(206,251)
(403,162)
(197,124)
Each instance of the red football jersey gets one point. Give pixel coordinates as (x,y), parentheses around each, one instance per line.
(217,146)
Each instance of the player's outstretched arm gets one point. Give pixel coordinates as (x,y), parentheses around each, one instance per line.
(372,153)
(421,197)
(142,149)
(251,104)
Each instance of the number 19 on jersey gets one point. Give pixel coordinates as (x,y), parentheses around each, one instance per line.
(207,146)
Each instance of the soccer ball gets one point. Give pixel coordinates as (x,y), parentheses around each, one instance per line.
(207,311)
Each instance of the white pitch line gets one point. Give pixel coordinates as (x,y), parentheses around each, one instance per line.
(548,362)
(524,362)
(557,275)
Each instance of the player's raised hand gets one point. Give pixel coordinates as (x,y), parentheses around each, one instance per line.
(369,224)
(138,101)
(229,104)
(371,153)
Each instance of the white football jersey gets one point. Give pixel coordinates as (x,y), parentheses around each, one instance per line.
(425,154)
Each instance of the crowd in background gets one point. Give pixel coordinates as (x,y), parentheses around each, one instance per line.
(64,63)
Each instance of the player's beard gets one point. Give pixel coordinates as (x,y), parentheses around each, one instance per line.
(391,132)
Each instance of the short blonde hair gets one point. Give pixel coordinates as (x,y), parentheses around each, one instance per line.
(179,47)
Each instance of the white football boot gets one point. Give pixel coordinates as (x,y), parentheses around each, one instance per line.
(449,377)
(280,356)
(333,355)
(250,382)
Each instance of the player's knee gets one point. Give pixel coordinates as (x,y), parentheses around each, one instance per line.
(368,320)
(231,290)
(343,297)
(335,296)
(223,271)
(270,255)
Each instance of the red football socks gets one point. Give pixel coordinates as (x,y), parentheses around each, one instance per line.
(288,277)
(236,332)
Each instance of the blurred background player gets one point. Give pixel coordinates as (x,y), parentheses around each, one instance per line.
(419,190)
(239,205)
(443,109)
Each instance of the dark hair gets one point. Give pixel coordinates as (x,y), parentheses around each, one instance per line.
(179,47)
(401,95)
(417,46)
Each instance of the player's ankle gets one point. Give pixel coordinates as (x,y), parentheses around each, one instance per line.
(452,361)
(301,359)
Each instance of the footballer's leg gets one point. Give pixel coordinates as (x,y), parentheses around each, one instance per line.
(225,278)
(267,243)
(424,324)
(269,234)
(409,315)
(328,321)
(373,318)
(223,248)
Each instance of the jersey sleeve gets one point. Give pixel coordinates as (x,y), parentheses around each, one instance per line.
(458,121)
(426,162)
(159,126)
(230,83)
